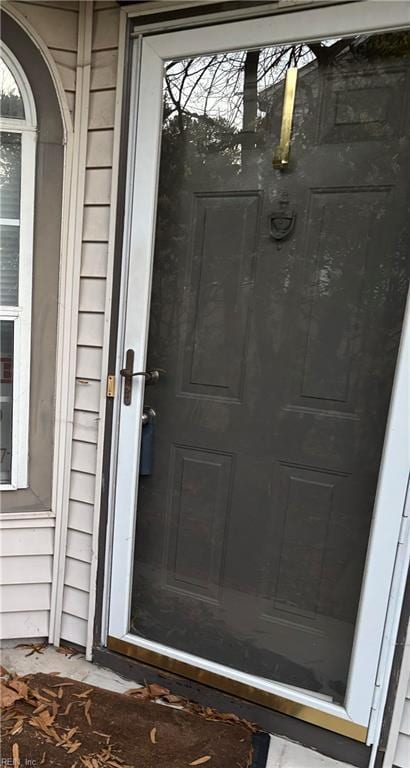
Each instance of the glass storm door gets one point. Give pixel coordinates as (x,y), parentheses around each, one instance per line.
(278,291)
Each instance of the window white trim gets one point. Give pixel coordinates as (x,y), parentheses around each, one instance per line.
(21,315)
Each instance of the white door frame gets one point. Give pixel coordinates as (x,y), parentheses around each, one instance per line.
(145,135)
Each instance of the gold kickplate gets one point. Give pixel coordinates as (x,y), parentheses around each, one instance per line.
(241,690)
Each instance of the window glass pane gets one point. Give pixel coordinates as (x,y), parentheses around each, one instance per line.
(9,264)
(6,398)
(11,103)
(10,174)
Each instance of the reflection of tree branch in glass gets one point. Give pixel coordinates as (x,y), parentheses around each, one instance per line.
(233,92)
(11,103)
(250,102)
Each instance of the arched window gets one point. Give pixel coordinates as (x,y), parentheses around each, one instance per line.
(18,132)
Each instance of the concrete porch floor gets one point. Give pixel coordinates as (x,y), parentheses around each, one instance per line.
(282,753)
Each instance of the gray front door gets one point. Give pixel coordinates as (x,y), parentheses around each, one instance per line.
(276,313)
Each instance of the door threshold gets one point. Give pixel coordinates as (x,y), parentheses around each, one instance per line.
(241,690)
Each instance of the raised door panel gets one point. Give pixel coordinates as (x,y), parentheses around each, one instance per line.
(221,264)
(196,523)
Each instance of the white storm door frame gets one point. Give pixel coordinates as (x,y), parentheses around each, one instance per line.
(145,130)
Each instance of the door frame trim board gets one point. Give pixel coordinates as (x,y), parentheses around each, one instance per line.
(312,24)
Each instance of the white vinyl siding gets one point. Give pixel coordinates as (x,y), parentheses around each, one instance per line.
(398,744)
(26,559)
(74,629)
(85,426)
(25,624)
(57,24)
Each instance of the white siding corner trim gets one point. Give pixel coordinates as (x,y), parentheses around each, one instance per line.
(75,203)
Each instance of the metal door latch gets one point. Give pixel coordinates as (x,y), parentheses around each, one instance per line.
(147,415)
(151,377)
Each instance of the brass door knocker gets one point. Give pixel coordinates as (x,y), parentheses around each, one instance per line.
(282,219)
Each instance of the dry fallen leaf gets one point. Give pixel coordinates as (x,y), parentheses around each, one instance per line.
(8,696)
(83,695)
(46,718)
(70,652)
(18,727)
(213,714)
(34,692)
(104,735)
(35,647)
(153,735)
(201,760)
(170,698)
(66,738)
(68,707)
(151,691)
(87,712)
(74,747)
(6,716)
(40,707)
(49,693)
(16,755)
(87,762)
(3,672)
(157,690)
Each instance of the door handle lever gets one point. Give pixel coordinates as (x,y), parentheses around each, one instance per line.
(151,377)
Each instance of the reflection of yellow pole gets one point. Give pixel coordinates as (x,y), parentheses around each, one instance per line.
(280,157)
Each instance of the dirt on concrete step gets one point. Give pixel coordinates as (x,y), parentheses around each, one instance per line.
(57,722)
